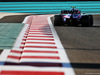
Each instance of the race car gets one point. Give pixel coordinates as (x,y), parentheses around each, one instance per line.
(73,17)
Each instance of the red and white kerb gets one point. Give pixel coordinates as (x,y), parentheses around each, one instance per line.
(40,51)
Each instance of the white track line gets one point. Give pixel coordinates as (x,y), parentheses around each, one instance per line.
(4,55)
(40,49)
(25,20)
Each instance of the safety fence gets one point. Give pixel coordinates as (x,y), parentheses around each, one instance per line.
(91,7)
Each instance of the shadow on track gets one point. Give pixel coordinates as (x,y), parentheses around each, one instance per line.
(86,65)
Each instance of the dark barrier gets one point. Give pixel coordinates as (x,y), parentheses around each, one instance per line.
(41,0)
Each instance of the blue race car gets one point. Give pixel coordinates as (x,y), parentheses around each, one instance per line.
(73,17)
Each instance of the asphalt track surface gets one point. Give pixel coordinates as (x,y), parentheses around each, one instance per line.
(82,45)
(13,19)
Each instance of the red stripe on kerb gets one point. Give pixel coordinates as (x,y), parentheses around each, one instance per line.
(4,72)
(40,47)
(22,42)
(21,47)
(41,29)
(38,23)
(15,51)
(41,57)
(34,51)
(39,36)
(26,34)
(40,42)
(40,33)
(39,39)
(37,43)
(43,26)
(29,20)
(14,57)
(25,37)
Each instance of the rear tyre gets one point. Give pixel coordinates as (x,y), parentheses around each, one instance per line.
(87,20)
(57,20)
(91,20)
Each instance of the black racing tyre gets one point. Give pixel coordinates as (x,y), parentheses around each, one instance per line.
(57,20)
(91,20)
(87,20)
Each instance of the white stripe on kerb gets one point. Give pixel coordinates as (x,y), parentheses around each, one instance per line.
(4,55)
(39,54)
(25,20)
(42,60)
(29,68)
(38,41)
(15,54)
(39,35)
(12,60)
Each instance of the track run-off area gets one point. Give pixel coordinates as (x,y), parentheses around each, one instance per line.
(89,7)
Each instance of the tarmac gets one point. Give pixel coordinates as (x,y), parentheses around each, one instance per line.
(82,44)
